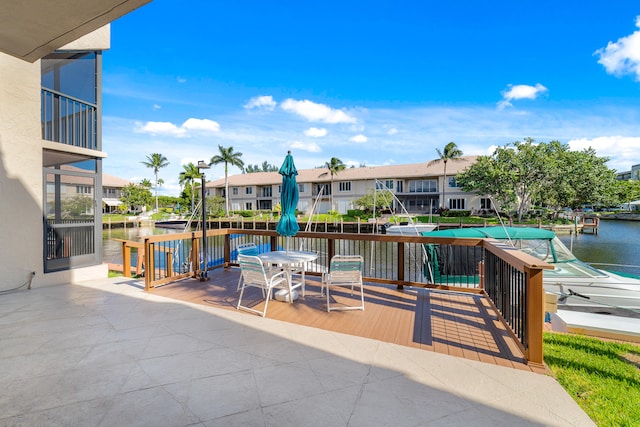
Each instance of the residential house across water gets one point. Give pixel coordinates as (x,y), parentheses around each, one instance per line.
(417,186)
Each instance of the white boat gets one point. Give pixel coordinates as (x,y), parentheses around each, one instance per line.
(575,283)
(408,229)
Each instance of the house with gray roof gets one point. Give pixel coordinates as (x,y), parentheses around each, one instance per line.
(417,186)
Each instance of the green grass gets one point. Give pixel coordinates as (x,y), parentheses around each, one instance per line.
(603,377)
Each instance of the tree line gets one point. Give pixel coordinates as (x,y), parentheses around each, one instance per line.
(517,176)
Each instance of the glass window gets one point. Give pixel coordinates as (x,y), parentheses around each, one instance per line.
(399,187)
(423,186)
(389,184)
(344,186)
(301,188)
(248,206)
(248,190)
(452,182)
(324,188)
(83,189)
(457,204)
(485,203)
(234,191)
(266,191)
(71,73)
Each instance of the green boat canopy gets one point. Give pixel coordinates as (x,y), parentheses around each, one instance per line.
(501,233)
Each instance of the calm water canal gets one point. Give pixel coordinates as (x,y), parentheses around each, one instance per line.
(618,242)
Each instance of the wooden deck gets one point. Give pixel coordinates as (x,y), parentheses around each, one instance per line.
(453,323)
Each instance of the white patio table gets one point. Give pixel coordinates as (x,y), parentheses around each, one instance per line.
(290,261)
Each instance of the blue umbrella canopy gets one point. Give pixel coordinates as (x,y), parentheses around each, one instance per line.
(287,225)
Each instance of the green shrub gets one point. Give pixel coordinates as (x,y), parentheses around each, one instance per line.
(355,213)
(454,214)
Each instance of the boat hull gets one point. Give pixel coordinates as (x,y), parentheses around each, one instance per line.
(575,283)
(409,230)
(178,224)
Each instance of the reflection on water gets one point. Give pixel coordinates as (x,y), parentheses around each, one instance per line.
(615,243)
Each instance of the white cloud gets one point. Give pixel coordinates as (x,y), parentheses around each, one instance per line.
(360,139)
(170,129)
(311,147)
(315,132)
(619,149)
(201,125)
(161,128)
(261,102)
(156,107)
(186,160)
(352,164)
(181,80)
(520,92)
(622,57)
(315,112)
(392,131)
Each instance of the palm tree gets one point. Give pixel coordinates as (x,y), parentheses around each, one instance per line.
(156,161)
(335,166)
(227,156)
(146,183)
(450,152)
(189,176)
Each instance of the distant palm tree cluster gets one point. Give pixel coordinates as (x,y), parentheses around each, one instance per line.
(450,152)
(190,175)
(265,167)
(228,157)
(156,161)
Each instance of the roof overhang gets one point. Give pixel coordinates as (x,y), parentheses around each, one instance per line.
(112,202)
(31,29)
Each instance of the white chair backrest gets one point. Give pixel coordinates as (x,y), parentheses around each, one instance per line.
(346,267)
(247,249)
(252,269)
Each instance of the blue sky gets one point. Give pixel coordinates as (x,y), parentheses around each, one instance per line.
(369,82)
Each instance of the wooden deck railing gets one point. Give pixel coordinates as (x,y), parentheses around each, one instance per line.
(511,279)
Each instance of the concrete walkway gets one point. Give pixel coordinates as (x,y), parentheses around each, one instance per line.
(108,354)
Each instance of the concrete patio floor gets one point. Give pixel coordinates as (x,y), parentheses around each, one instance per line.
(106,353)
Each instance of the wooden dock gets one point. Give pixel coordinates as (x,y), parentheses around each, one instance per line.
(590,224)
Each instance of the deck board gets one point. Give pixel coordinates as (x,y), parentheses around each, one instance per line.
(457,324)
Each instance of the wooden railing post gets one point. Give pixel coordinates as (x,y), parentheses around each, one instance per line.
(535,317)
(195,255)
(148,264)
(400,246)
(126,259)
(169,264)
(227,250)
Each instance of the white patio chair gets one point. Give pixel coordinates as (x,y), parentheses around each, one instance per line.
(345,270)
(245,249)
(255,275)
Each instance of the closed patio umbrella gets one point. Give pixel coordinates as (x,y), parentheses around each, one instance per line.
(288,225)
